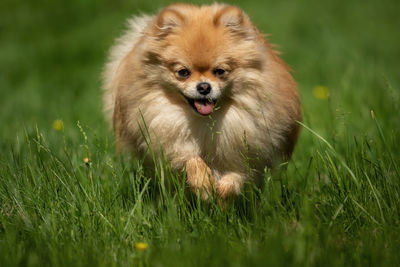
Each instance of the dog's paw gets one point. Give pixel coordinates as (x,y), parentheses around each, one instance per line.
(199,177)
(229,185)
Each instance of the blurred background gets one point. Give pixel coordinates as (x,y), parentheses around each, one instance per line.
(344,55)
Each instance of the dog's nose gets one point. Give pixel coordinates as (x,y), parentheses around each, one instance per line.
(203,88)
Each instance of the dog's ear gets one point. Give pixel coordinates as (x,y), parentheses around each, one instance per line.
(235,20)
(168,19)
(229,16)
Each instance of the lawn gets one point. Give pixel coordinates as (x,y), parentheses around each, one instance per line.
(67,199)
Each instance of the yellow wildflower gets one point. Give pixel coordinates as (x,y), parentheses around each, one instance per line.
(140,246)
(58,125)
(321,92)
(87,161)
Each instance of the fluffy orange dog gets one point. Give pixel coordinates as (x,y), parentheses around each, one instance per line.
(214,96)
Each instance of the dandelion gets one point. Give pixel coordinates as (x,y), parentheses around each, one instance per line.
(140,246)
(321,92)
(58,125)
(87,161)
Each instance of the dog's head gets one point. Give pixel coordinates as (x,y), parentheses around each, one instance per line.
(197,51)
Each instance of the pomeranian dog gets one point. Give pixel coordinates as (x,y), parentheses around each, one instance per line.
(202,86)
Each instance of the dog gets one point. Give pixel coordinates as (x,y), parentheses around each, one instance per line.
(201,86)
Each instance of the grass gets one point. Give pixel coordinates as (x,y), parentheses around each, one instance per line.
(336,203)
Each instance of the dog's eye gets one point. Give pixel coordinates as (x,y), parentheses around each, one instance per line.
(219,72)
(183,73)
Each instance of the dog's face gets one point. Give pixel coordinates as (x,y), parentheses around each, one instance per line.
(198,66)
(197,53)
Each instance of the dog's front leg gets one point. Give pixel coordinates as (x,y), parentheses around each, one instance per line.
(199,177)
(229,185)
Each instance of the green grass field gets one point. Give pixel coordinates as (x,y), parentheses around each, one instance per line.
(336,203)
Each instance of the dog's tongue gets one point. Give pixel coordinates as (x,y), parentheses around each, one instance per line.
(204,107)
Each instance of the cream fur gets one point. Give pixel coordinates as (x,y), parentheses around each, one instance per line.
(258,104)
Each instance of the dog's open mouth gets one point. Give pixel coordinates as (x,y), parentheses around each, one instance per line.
(202,106)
